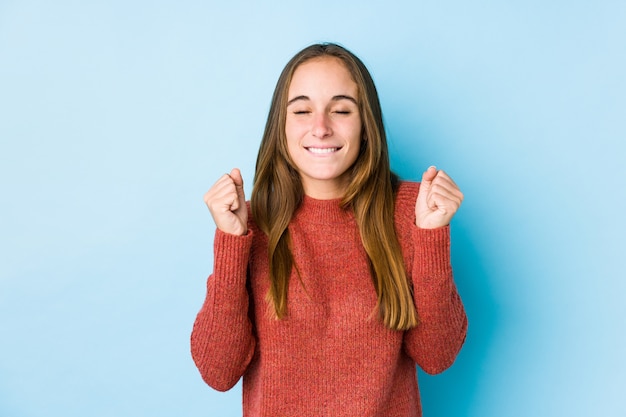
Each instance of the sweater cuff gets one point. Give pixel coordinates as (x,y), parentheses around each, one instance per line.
(231,255)
(432,248)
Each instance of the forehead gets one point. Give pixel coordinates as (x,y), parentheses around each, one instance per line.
(322,74)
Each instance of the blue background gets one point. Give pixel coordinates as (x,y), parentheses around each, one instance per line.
(117,116)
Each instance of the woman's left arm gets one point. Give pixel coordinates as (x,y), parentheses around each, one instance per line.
(442,323)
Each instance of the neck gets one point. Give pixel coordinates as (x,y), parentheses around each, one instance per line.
(324,190)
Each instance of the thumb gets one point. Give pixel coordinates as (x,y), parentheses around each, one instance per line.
(235,174)
(428,176)
(421,204)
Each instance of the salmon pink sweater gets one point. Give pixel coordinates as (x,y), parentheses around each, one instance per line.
(330,356)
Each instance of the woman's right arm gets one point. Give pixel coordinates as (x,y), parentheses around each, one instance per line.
(222,340)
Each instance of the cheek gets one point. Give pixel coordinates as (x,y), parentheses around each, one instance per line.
(293,132)
(293,148)
(289,135)
(292,138)
(356,143)
(356,136)
(356,150)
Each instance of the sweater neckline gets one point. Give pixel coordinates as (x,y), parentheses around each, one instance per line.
(312,210)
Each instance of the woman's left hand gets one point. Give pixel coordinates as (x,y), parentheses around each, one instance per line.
(438,200)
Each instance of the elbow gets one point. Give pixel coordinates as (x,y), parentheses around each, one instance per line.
(445,355)
(439,364)
(437,367)
(213,376)
(220,369)
(219,383)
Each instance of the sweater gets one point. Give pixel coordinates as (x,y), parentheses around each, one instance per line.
(331,355)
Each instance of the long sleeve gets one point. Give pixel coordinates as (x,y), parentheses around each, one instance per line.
(442,324)
(222,340)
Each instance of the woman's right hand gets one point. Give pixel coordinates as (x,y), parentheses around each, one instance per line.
(227,203)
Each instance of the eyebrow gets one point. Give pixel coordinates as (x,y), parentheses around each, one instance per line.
(335,98)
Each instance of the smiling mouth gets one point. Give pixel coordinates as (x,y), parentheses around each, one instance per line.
(322,151)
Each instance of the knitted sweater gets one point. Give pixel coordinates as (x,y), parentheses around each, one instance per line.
(330,356)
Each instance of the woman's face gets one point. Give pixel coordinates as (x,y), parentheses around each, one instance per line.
(323,126)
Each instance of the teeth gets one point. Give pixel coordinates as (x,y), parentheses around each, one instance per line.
(322,150)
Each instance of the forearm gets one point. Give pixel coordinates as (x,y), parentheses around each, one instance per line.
(222,341)
(435,342)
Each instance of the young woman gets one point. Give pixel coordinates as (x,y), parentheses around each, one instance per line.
(335,280)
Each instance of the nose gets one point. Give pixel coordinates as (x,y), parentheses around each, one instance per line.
(321,126)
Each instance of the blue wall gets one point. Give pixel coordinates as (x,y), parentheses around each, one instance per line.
(115,117)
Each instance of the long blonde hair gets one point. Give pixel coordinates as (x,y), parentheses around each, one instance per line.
(277,193)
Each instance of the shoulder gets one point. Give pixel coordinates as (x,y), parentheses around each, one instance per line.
(251,222)
(407,189)
(406,194)
(252,226)
(404,210)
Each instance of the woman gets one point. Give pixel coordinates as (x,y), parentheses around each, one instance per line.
(335,281)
